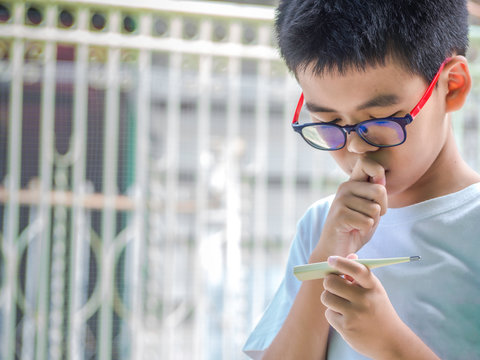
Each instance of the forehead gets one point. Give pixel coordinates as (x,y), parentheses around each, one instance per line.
(349,90)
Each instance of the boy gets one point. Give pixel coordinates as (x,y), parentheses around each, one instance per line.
(379,78)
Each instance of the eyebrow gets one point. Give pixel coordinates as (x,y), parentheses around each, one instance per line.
(378,101)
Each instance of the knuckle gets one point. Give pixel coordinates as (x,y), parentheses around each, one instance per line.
(343,191)
(378,191)
(366,275)
(342,211)
(358,272)
(351,322)
(374,209)
(368,223)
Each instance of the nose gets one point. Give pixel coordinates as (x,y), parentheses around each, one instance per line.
(355,144)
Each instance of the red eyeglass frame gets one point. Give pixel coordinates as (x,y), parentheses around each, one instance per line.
(414,112)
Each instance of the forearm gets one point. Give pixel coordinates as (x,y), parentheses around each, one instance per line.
(305,330)
(407,345)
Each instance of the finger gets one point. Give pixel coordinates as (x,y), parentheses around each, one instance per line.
(366,207)
(368,170)
(335,319)
(354,220)
(335,302)
(341,287)
(366,191)
(357,271)
(373,192)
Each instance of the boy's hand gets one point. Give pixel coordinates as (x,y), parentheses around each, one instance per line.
(359,309)
(355,211)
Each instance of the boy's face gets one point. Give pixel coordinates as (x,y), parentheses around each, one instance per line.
(380,92)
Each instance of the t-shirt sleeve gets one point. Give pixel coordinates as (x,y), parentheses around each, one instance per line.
(276,312)
(308,231)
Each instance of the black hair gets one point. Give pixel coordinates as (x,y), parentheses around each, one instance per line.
(337,35)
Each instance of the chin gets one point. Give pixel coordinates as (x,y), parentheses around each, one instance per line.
(393,187)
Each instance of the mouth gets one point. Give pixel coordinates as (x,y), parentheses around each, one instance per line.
(370,179)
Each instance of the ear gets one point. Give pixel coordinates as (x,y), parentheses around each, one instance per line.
(459,83)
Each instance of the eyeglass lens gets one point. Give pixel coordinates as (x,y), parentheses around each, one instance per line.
(378,133)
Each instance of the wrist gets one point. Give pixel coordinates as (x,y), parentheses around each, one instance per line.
(325,248)
(319,254)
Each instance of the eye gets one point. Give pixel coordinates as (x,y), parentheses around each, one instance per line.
(334,121)
(363,129)
(396,114)
(316,119)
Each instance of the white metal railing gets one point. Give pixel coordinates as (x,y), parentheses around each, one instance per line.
(149,179)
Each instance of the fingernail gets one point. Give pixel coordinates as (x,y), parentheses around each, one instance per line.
(332,260)
(379,180)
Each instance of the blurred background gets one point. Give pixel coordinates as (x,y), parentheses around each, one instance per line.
(150,182)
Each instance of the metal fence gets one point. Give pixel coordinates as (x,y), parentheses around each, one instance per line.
(149,179)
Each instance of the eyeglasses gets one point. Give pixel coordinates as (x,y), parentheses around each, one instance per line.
(380,132)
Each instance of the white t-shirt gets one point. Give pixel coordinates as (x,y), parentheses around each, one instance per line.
(437,297)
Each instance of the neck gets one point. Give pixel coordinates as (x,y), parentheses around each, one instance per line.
(449,173)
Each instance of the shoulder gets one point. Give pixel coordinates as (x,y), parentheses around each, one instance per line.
(316,212)
(311,223)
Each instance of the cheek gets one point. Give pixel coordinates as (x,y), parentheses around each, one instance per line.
(424,137)
(429,128)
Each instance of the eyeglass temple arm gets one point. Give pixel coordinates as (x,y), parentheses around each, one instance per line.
(298,109)
(413,112)
(429,91)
